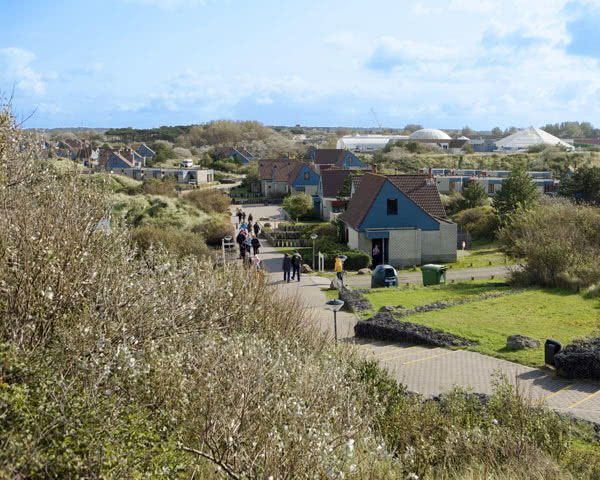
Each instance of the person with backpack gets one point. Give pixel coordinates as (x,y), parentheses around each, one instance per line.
(287,266)
(255,245)
(296,264)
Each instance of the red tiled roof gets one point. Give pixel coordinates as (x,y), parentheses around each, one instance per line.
(418,188)
(422,190)
(362,200)
(332,181)
(279,170)
(329,156)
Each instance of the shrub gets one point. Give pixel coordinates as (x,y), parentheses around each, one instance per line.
(480,222)
(214,230)
(559,241)
(177,242)
(209,200)
(298,206)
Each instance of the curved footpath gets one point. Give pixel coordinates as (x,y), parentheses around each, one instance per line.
(426,370)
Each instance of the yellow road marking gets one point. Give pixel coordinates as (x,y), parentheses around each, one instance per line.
(433,356)
(387,353)
(585,399)
(558,391)
(407,354)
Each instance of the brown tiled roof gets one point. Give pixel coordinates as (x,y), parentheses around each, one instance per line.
(332,180)
(329,156)
(418,188)
(422,190)
(280,170)
(294,173)
(356,179)
(360,204)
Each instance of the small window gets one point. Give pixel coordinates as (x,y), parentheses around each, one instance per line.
(490,188)
(392,206)
(306,175)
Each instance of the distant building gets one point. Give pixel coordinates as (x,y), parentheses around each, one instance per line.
(325,158)
(367,143)
(529,137)
(191,176)
(146,152)
(330,185)
(403,216)
(240,155)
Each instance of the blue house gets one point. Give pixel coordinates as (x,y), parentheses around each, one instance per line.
(146,152)
(335,158)
(303,179)
(116,162)
(400,219)
(240,156)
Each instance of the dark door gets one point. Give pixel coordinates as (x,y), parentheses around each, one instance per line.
(380,255)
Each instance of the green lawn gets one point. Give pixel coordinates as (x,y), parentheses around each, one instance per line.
(538,313)
(483,254)
(412,296)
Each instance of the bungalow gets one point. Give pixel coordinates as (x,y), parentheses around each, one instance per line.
(303,179)
(326,158)
(274,175)
(401,215)
(330,192)
(146,152)
(116,161)
(238,155)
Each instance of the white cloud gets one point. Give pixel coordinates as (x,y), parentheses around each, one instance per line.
(15,67)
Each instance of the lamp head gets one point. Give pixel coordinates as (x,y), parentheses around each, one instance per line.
(314,236)
(334,305)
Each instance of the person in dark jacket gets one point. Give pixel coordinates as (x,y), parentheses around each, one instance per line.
(239,215)
(296,264)
(255,245)
(249,217)
(240,240)
(256,229)
(249,227)
(287,266)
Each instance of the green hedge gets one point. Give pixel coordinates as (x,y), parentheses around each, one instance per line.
(355,261)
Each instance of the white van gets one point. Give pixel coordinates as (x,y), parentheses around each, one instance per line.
(187,163)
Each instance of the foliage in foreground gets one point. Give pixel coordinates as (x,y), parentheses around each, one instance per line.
(114,365)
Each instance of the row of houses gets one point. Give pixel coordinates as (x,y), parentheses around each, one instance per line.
(454,180)
(398,219)
(184,176)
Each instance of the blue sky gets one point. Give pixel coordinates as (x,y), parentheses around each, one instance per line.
(443,64)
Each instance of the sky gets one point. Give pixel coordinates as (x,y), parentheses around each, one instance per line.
(441,64)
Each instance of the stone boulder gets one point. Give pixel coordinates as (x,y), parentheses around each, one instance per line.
(364,271)
(354,300)
(519,342)
(306,268)
(335,284)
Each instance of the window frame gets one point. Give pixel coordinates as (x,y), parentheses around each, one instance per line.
(395,204)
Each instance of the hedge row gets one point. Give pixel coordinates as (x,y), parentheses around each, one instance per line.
(355,258)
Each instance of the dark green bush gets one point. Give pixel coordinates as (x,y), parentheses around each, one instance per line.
(480,222)
(214,230)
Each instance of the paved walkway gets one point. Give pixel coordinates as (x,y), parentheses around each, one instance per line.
(426,370)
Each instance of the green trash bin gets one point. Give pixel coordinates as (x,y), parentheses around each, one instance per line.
(434,274)
(384,276)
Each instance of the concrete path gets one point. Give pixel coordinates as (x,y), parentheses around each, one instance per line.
(426,370)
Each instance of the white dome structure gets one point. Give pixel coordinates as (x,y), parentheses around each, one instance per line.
(429,134)
(528,137)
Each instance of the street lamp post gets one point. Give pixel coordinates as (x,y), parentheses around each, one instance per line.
(314,236)
(334,305)
(226,240)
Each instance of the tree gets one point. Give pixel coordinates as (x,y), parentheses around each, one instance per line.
(410,128)
(497,132)
(297,206)
(517,192)
(466,131)
(473,196)
(468,149)
(582,186)
(345,190)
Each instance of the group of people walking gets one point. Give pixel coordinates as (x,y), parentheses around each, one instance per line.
(248,241)
(291,263)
